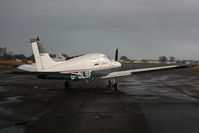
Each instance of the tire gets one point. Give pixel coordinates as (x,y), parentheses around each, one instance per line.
(115,86)
(110,85)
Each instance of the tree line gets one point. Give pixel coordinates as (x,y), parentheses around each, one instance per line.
(6,55)
(164,59)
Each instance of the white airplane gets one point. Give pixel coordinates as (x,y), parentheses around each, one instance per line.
(85,67)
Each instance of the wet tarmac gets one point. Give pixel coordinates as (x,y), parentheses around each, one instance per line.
(157,102)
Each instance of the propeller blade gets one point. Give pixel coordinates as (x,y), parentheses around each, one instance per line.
(116,55)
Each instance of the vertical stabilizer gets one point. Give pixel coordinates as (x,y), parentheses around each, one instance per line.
(35,49)
(42,59)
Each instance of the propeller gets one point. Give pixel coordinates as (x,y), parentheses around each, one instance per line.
(116,55)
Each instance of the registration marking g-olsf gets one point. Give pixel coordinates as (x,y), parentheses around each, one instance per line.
(81,75)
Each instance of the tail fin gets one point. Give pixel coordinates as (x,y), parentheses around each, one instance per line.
(43,60)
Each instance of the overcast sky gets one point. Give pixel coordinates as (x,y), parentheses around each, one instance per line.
(139,28)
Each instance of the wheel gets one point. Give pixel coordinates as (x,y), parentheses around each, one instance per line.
(110,84)
(116,86)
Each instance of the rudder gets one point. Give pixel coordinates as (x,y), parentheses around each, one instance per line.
(42,59)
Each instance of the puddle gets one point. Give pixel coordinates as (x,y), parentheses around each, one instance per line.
(5,111)
(12,129)
(12,99)
(4,124)
(35,87)
(156,86)
(149,97)
(22,123)
(196,86)
(110,91)
(2,89)
(39,115)
(102,116)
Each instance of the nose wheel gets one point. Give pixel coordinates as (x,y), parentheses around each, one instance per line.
(113,84)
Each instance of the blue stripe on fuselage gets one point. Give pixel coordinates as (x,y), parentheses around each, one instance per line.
(89,75)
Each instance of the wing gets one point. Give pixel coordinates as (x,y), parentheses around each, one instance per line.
(142,70)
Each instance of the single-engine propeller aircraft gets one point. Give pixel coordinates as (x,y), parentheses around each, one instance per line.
(84,67)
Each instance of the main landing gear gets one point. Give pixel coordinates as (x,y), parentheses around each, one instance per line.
(113,84)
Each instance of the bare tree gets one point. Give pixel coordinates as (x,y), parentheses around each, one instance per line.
(163,59)
(124,58)
(31,57)
(172,59)
(20,56)
(3,51)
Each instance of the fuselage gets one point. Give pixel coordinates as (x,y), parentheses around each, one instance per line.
(88,66)
(91,62)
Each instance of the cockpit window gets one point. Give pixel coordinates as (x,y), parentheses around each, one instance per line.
(101,60)
(104,60)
